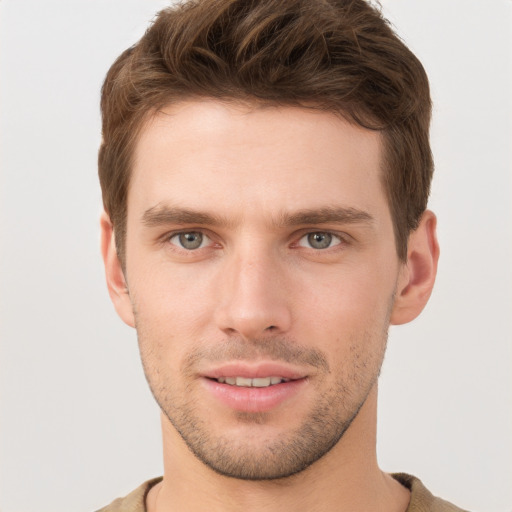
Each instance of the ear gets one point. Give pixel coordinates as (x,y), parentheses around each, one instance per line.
(417,276)
(116,282)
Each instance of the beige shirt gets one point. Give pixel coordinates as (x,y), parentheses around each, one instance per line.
(421,499)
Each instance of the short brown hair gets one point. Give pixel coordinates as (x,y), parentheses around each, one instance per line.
(338,55)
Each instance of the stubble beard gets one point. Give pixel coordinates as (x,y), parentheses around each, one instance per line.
(275,457)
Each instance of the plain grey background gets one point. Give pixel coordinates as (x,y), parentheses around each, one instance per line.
(78,425)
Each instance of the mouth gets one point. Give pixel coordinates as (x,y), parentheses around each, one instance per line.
(259,387)
(258,382)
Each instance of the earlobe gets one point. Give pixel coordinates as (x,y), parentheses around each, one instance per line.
(116,282)
(418,275)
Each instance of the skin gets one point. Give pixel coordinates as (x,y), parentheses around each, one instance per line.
(260,189)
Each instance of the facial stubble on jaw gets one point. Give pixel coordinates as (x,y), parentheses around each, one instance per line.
(291,452)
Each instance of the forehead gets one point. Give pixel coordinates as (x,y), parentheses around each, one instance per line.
(226,156)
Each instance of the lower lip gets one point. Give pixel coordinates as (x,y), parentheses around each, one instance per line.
(254,399)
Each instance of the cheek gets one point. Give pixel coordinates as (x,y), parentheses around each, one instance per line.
(349,300)
(169,297)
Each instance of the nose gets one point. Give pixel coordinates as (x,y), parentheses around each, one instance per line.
(253,298)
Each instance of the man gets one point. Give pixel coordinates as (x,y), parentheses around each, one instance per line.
(265,169)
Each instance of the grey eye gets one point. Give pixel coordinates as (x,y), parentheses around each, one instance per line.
(189,241)
(319,240)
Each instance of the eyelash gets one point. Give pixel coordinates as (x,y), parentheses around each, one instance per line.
(331,237)
(340,239)
(189,232)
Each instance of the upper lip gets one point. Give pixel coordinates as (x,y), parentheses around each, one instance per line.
(254,371)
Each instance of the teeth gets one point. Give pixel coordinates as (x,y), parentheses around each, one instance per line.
(260,382)
(242,381)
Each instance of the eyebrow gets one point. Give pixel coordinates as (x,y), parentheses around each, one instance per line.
(338,215)
(162,214)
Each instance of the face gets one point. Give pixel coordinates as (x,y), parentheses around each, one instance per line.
(261,269)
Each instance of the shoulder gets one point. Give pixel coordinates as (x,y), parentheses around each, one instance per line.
(422,500)
(134,502)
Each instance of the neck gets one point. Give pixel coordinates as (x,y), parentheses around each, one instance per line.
(345,479)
